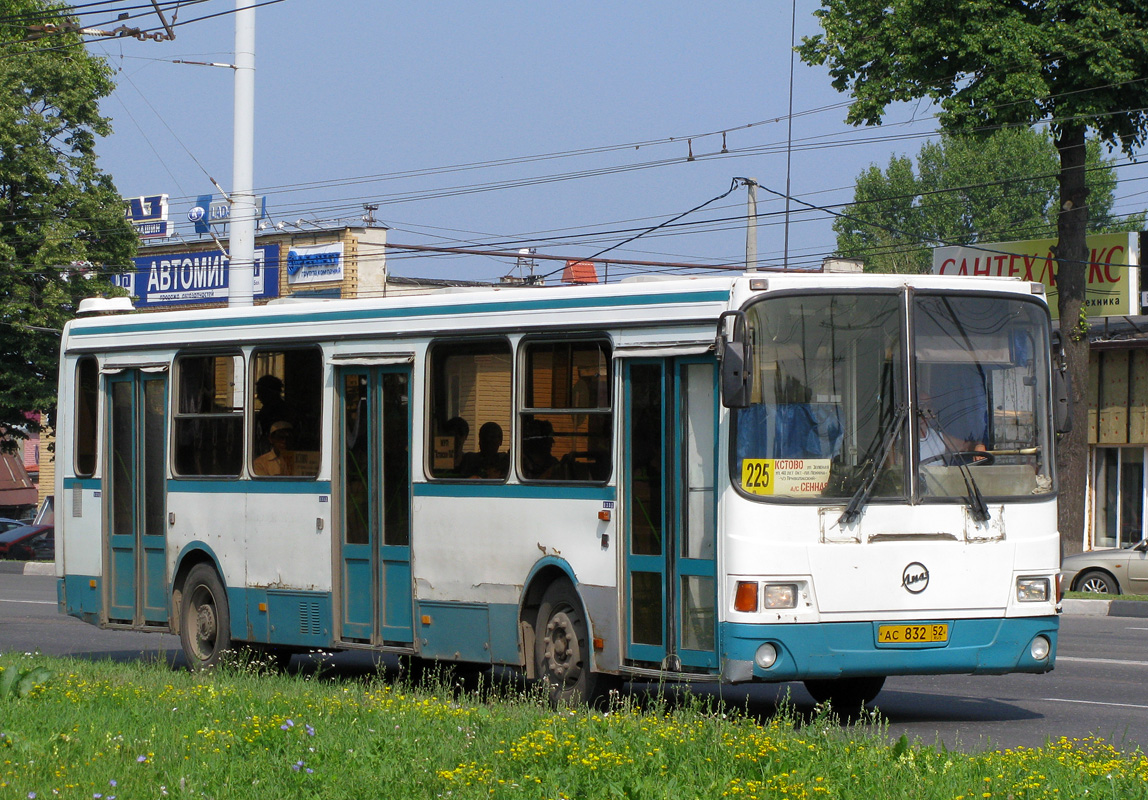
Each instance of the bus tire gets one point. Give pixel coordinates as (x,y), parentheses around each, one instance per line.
(205,624)
(562,649)
(845,695)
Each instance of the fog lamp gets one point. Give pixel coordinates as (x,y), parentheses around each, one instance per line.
(1040,648)
(766,656)
(1032,590)
(781,595)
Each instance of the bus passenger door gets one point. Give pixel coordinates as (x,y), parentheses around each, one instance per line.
(670,513)
(374,493)
(136,472)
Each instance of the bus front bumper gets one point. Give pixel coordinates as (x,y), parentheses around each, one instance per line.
(994,646)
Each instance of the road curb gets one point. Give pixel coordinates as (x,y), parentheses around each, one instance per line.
(1104,608)
(1128,608)
(1085,608)
(40,568)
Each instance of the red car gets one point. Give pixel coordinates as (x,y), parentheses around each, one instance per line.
(16,543)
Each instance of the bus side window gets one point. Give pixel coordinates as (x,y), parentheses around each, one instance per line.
(470,397)
(87,429)
(208,429)
(286,409)
(567,416)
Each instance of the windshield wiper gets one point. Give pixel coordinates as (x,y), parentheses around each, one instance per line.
(873,470)
(977,506)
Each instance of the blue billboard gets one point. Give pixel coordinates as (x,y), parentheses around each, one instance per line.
(175,279)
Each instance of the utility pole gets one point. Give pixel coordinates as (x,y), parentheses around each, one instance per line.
(241,278)
(789,132)
(751,226)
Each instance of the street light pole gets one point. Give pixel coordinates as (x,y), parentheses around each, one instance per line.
(241,244)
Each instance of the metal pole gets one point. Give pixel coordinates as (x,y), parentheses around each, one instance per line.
(751,227)
(241,278)
(789,133)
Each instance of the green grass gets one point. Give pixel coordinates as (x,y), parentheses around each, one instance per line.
(1097,596)
(102,730)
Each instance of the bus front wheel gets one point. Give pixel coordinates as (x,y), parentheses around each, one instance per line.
(562,649)
(205,626)
(845,695)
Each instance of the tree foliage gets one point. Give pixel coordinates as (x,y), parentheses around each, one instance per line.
(989,63)
(61,219)
(966,189)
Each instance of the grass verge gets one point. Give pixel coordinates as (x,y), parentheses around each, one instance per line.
(108,731)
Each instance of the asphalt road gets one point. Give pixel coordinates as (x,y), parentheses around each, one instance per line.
(1099,686)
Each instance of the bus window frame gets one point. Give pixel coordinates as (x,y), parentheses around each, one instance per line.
(521,409)
(95,418)
(173,404)
(430,387)
(250,413)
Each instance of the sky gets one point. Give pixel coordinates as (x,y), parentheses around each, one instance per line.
(562,126)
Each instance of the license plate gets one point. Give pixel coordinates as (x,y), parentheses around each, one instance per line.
(913,634)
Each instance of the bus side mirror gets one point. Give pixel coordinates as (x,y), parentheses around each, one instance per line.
(1061,400)
(735,356)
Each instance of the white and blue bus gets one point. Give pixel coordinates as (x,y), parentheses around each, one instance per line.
(783,477)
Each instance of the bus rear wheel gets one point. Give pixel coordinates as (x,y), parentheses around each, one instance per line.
(845,695)
(205,624)
(562,650)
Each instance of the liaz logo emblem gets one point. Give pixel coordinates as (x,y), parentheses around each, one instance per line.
(915,578)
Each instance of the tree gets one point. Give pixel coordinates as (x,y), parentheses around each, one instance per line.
(61,219)
(966,189)
(990,63)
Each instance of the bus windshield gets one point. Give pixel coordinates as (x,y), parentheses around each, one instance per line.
(831,411)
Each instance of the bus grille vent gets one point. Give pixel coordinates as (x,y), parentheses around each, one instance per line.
(310,621)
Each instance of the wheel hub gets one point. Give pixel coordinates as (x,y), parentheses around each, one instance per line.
(205,623)
(561,647)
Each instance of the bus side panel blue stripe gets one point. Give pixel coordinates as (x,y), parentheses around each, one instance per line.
(514,490)
(237,486)
(80,596)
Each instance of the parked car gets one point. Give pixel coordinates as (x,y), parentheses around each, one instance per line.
(40,547)
(16,537)
(1120,570)
(7,524)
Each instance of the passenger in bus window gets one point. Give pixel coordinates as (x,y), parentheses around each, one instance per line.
(459,430)
(538,462)
(488,462)
(272,408)
(279,460)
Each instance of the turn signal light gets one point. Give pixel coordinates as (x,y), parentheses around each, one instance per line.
(745,596)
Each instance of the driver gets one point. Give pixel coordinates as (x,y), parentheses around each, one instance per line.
(933,442)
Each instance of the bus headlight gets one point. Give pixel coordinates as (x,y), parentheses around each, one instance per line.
(1039,648)
(1032,590)
(766,656)
(781,595)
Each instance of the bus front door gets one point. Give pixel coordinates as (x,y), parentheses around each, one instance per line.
(670,513)
(136,550)
(375,490)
